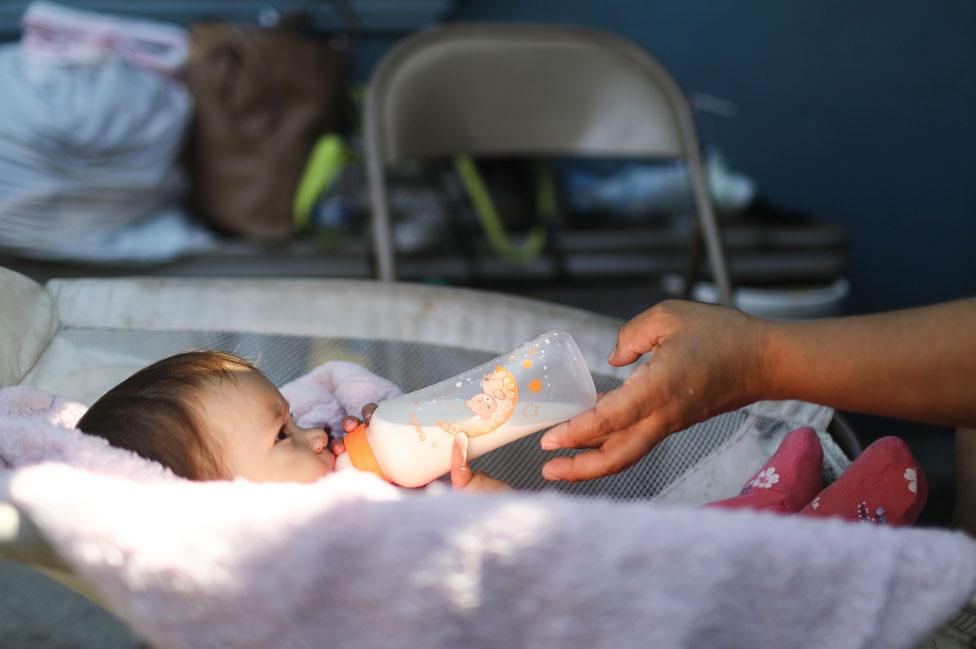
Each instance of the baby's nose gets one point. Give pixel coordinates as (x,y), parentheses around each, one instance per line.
(316,439)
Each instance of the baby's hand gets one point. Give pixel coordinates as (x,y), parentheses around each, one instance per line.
(351,423)
(462,477)
(337,446)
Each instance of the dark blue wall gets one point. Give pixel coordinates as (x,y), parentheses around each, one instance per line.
(864,112)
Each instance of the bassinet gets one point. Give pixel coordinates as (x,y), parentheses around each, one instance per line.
(79,337)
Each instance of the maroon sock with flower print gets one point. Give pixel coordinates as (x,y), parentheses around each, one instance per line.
(884,485)
(788,481)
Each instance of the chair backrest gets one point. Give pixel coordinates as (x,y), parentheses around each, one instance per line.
(518,89)
(492,89)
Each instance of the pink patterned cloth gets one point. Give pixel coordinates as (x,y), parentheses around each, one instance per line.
(788,481)
(884,485)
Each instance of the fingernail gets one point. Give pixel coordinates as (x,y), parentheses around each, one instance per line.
(613,352)
(549,474)
(548,444)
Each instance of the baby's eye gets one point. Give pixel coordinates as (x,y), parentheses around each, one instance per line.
(282,435)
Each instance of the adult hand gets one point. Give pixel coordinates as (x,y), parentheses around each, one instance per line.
(462,477)
(706,360)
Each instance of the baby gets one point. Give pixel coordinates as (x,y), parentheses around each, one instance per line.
(213,416)
(210,415)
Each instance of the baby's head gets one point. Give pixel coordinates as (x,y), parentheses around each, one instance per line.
(210,416)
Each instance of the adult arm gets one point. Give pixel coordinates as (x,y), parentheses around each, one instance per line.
(917,364)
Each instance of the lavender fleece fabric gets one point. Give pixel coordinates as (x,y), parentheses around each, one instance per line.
(351,561)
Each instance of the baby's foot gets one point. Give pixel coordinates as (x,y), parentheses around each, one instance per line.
(787,481)
(884,485)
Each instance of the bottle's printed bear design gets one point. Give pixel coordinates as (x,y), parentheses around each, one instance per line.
(492,407)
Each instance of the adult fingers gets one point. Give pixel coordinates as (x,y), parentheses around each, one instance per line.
(618,409)
(621,450)
(594,442)
(460,471)
(579,432)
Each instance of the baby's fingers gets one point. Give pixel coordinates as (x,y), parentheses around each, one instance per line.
(368,411)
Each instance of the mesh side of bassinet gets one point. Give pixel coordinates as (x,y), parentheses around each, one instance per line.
(412,366)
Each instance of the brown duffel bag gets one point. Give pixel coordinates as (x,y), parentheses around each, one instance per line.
(263,97)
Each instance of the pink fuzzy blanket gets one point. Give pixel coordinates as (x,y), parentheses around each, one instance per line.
(351,561)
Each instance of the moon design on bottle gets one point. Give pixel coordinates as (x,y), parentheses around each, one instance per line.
(492,407)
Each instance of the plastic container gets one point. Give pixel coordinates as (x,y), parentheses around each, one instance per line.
(535,386)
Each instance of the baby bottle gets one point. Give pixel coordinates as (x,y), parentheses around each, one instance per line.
(537,385)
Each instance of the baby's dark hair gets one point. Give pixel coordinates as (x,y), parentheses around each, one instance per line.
(156,414)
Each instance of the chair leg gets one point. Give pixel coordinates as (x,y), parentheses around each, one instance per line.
(705,219)
(380,224)
(716,260)
(712,240)
(382,235)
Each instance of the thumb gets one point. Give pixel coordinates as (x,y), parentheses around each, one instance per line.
(625,351)
(637,337)
(618,358)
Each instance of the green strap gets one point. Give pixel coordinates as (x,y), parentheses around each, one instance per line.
(484,207)
(322,168)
